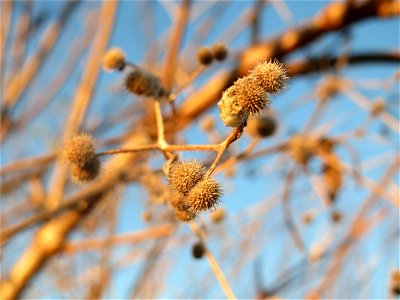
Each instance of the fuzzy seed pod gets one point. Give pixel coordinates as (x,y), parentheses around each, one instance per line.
(198,250)
(261,126)
(220,51)
(271,76)
(86,173)
(244,97)
(184,215)
(142,83)
(114,59)
(205,56)
(79,150)
(205,195)
(183,176)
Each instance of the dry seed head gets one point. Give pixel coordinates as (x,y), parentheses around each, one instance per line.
(86,173)
(300,148)
(220,51)
(114,59)
(261,126)
(244,97)
(183,176)
(184,215)
(198,250)
(142,83)
(205,56)
(205,195)
(79,150)
(336,216)
(271,76)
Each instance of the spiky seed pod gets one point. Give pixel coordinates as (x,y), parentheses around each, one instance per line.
(142,83)
(261,126)
(271,76)
(79,150)
(244,97)
(205,195)
(114,59)
(184,175)
(218,215)
(220,51)
(198,250)
(205,56)
(184,215)
(86,173)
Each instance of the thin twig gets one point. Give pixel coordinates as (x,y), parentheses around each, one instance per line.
(213,263)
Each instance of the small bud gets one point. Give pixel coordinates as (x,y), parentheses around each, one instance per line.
(184,215)
(244,97)
(198,250)
(205,56)
(205,195)
(86,173)
(147,216)
(261,126)
(142,83)
(332,178)
(220,51)
(79,150)
(183,176)
(114,59)
(271,76)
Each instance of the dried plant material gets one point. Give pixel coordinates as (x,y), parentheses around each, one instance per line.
(332,178)
(244,97)
(198,250)
(271,76)
(79,150)
(378,106)
(143,83)
(218,215)
(336,216)
(205,195)
(184,215)
(183,176)
(395,283)
(87,173)
(114,59)
(261,126)
(300,148)
(328,88)
(205,56)
(219,51)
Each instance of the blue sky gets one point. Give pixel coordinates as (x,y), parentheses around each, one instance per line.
(255,181)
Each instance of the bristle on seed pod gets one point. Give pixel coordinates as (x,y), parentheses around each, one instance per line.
(205,195)
(86,173)
(271,76)
(79,150)
(183,176)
